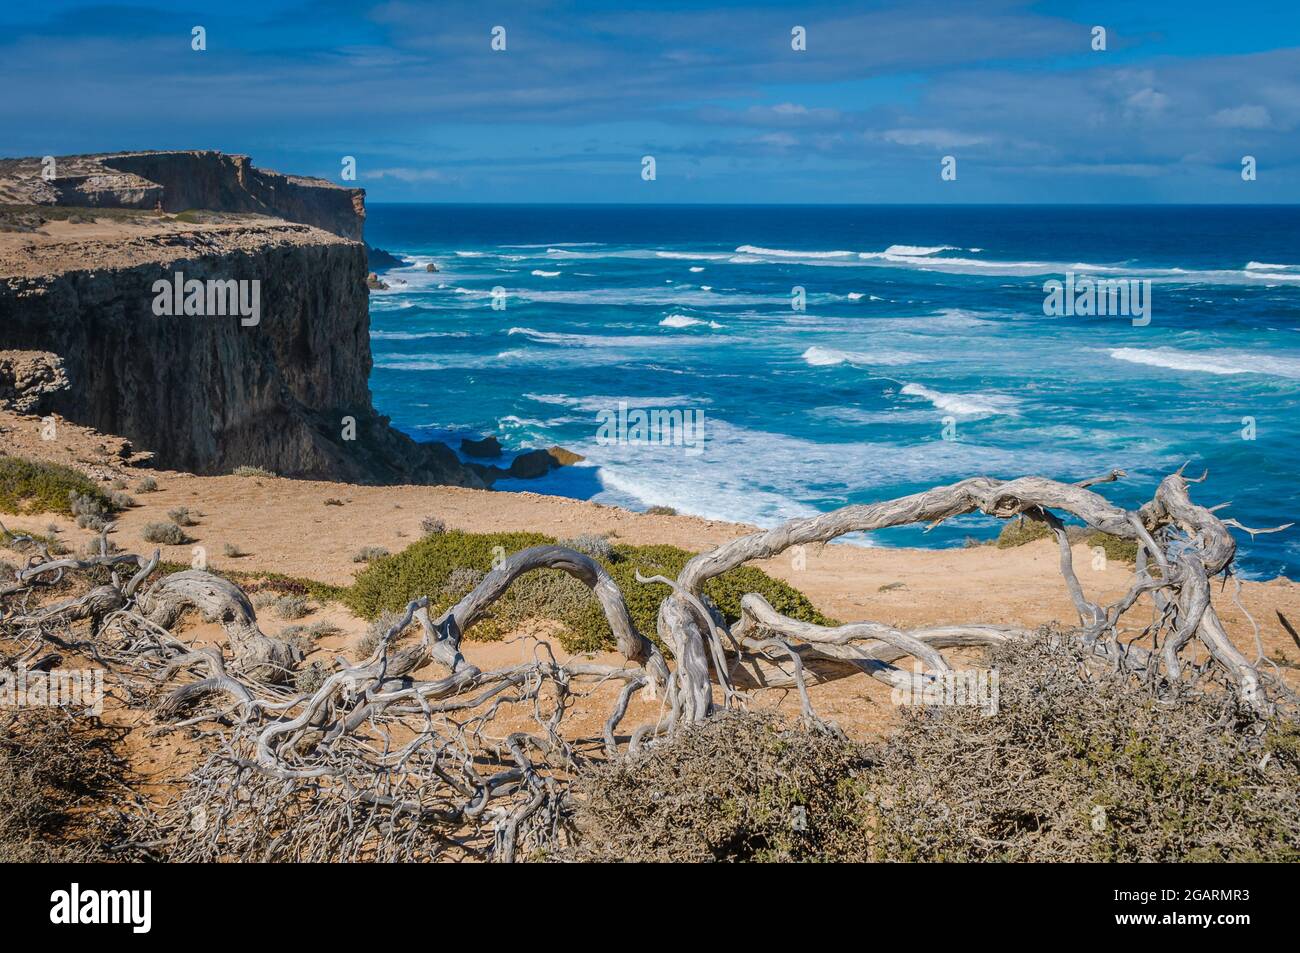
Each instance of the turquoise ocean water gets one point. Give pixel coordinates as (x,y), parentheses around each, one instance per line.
(923,354)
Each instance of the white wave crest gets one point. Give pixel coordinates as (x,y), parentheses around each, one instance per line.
(819,356)
(964,405)
(787,253)
(1210,362)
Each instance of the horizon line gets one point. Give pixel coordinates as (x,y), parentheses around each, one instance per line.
(850,204)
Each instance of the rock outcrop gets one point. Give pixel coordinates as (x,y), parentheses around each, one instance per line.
(29,378)
(207,392)
(180,181)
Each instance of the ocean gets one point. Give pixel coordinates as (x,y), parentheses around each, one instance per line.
(921,355)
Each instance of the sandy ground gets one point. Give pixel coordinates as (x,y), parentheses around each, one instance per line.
(286,526)
(129,239)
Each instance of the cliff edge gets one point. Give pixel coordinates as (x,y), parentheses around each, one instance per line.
(234,333)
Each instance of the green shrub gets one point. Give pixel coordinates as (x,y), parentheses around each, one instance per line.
(1021,530)
(368,554)
(147,485)
(427,567)
(247,471)
(1116,547)
(30,486)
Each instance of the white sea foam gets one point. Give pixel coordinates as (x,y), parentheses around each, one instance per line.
(558,245)
(855,295)
(964,405)
(691,255)
(606,340)
(469,254)
(595,403)
(721,483)
(787,253)
(686,321)
(416,335)
(696,268)
(513,357)
(538,273)
(1210,362)
(919,250)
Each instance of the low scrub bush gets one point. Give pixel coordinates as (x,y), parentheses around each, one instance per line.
(181,516)
(1082,763)
(31,486)
(426,568)
(737,787)
(291,606)
(1115,547)
(1021,530)
(168,534)
(91,512)
(58,785)
(597,547)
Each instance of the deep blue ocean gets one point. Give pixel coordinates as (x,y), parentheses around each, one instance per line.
(923,354)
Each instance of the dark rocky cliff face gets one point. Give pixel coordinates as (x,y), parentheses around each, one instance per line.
(207,394)
(204,393)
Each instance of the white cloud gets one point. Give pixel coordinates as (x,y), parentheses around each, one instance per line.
(936,138)
(1243,117)
(409,174)
(1146,101)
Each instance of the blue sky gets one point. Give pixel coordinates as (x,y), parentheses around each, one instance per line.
(712,90)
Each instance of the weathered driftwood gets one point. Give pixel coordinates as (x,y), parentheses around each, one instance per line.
(256,654)
(1194,545)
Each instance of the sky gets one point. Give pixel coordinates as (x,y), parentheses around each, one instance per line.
(1014,92)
